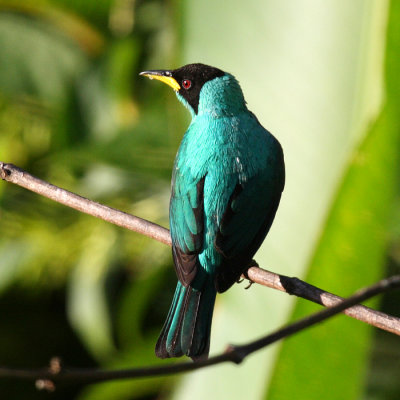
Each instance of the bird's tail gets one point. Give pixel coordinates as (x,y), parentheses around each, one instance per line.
(187,328)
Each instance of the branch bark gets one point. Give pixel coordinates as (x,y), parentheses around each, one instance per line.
(293,286)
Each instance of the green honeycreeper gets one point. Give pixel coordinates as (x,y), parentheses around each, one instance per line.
(227,182)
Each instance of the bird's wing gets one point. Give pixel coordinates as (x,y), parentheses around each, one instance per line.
(245,223)
(187,224)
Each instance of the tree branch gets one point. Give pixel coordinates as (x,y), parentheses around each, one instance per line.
(294,286)
(46,378)
(13,174)
(299,288)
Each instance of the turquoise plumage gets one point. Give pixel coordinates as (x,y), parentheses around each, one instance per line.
(226,186)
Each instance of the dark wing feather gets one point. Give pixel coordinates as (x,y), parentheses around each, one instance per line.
(187,225)
(245,223)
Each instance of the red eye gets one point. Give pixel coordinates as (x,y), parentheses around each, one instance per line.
(186,83)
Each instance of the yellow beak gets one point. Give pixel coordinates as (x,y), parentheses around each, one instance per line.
(163,76)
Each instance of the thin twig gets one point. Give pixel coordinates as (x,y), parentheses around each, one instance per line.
(294,286)
(18,176)
(46,378)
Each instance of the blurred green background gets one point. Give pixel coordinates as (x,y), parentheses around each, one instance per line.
(324,77)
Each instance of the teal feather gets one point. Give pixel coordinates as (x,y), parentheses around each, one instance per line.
(226,186)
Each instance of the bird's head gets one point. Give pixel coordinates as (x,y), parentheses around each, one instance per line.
(202,89)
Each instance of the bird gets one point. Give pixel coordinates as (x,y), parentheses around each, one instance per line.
(227,181)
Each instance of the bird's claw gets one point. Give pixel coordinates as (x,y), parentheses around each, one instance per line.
(249,285)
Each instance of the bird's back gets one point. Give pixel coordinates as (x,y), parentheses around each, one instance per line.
(230,153)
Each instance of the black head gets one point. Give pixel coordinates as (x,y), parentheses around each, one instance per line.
(191,79)
(187,80)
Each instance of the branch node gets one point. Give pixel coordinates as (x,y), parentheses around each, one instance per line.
(290,284)
(55,365)
(4,172)
(45,384)
(235,354)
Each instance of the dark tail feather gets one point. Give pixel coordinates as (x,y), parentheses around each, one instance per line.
(187,328)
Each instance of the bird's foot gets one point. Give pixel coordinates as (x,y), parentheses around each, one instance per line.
(252,263)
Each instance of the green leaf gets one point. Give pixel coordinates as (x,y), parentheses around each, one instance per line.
(87,302)
(351,254)
(333,358)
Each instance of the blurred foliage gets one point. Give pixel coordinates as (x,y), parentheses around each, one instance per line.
(70,97)
(73,111)
(364,204)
